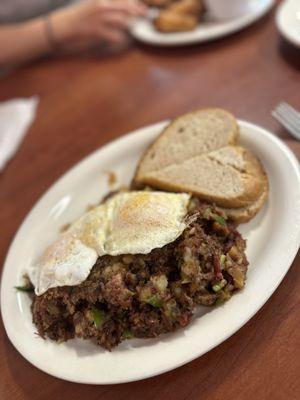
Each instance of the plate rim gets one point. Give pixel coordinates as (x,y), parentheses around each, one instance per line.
(288,260)
(282,27)
(231,27)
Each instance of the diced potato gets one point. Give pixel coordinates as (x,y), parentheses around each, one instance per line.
(238,277)
(160,282)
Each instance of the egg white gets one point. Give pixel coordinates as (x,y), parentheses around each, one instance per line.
(128,223)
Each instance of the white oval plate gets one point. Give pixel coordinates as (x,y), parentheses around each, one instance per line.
(273,239)
(143,29)
(288,21)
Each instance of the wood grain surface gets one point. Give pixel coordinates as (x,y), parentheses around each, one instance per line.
(87,102)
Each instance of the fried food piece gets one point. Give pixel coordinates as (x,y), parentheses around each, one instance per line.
(180,16)
(158,3)
(169,21)
(187,7)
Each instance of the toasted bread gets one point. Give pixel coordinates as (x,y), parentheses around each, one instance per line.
(188,136)
(198,153)
(230,177)
(245,214)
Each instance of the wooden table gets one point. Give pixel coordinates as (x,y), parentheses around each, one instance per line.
(86,103)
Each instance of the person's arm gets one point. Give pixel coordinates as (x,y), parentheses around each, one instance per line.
(22,42)
(87,23)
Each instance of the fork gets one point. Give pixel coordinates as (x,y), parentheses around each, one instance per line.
(289,117)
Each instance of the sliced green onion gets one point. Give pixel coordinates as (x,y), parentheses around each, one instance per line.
(98,317)
(24,288)
(216,287)
(127,334)
(155,301)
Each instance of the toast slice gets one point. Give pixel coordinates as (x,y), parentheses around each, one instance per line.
(245,214)
(190,135)
(231,177)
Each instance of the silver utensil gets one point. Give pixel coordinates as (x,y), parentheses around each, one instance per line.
(289,117)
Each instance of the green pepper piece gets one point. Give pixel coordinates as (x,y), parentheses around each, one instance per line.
(24,288)
(155,301)
(219,219)
(127,334)
(98,317)
(219,301)
(222,259)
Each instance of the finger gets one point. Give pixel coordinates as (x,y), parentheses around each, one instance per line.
(112,35)
(137,7)
(129,7)
(116,19)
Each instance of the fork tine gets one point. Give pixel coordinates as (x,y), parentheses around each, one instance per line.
(286,116)
(291,108)
(290,112)
(286,124)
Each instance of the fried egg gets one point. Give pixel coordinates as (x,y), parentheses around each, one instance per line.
(128,223)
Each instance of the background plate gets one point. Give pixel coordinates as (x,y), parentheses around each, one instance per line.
(143,30)
(288,21)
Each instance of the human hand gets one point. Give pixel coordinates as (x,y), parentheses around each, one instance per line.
(94,21)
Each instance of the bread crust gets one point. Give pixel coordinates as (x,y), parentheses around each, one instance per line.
(245,214)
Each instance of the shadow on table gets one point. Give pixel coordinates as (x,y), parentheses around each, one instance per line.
(290,53)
